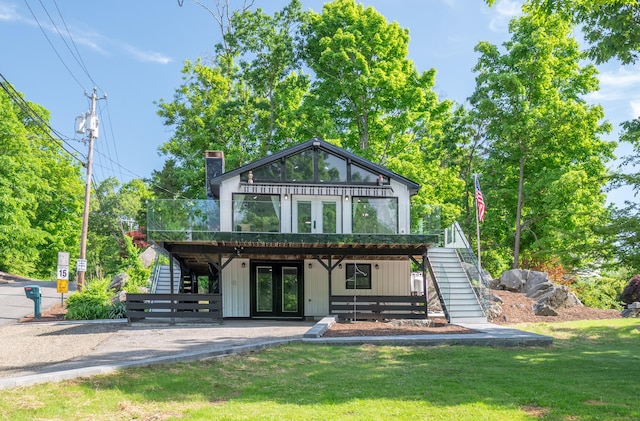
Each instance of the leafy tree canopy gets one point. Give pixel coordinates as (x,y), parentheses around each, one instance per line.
(546,162)
(41,190)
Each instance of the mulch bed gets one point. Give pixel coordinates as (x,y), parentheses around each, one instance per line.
(347,329)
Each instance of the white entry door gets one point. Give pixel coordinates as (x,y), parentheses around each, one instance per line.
(317,215)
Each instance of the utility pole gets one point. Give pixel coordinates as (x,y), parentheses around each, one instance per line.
(87,122)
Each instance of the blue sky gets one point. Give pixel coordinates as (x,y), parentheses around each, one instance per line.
(134,50)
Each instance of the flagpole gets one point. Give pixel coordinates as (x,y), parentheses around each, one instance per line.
(475,196)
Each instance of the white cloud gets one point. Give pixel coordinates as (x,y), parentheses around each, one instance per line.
(622,84)
(635,109)
(622,79)
(8,13)
(506,10)
(147,56)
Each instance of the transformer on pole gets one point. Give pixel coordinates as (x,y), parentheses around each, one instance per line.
(87,122)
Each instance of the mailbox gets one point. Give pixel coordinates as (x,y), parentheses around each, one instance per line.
(33,293)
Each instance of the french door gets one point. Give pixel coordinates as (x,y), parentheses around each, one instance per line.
(317,215)
(276,289)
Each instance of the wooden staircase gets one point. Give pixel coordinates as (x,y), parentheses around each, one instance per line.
(459,301)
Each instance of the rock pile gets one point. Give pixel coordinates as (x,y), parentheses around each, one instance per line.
(632,310)
(536,285)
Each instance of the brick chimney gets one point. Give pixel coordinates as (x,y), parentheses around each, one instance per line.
(214,168)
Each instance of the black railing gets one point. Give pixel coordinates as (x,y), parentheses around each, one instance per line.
(377,307)
(200,306)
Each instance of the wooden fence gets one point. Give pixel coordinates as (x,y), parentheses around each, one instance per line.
(200,306)
(377,307)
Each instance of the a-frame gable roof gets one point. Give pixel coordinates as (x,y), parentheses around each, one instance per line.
(412,186)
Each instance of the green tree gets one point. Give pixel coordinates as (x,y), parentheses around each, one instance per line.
(369,95)
(115,211)
(610,27)
(546,163)
(40,190)
(245,102)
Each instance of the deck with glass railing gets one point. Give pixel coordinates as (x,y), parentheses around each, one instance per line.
(198,221)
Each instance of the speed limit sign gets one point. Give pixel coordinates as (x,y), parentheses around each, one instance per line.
(63,272)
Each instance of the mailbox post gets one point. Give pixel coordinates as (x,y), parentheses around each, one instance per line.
(33,293)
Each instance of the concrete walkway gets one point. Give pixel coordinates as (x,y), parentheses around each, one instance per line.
(145,343)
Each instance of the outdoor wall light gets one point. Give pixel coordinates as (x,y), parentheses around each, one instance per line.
(286,196)
(377,266)
(346,198)
(310,265)
(244,264)
(340,266)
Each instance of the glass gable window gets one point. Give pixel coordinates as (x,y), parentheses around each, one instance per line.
(299,167)
(266,173)
(358,276)
(360,175)
(314,166)
(373,215)
(256,212)
(331,168)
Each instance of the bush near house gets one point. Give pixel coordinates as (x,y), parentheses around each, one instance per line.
(602,292)
(94,302)
(631,292)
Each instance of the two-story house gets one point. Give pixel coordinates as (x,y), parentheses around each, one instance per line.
(306,232)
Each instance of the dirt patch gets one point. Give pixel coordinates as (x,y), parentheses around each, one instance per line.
(386,329)
(55,313)
(517,308)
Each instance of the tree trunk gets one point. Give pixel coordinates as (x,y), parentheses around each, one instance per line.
(516,246)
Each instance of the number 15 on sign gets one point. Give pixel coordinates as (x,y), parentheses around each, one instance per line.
(63,272)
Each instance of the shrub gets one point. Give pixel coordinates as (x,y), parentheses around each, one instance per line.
(93,303)
(90,304)
(631,292)
(118,311)
(600,292)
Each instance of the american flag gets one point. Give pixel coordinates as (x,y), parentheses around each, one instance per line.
(479,201)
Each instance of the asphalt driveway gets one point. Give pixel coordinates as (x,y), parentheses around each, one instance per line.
(14,304)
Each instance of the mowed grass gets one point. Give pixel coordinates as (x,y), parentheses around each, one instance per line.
(591,372)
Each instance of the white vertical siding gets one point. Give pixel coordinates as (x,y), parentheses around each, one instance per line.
(235,289)
(227,189)
(391,278)
(316,290)
(404,211)
(285,213)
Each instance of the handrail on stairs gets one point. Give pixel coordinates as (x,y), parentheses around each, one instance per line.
(436,284)
(475,274)
(155,274)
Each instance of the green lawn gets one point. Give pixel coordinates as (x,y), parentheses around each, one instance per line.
(592,372)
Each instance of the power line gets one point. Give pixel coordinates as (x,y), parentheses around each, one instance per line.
(75,47)
(51,44)
(113,137)
(36,118)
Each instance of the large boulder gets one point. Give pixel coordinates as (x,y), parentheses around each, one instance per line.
(541,309)
(120,297)
(119,281)
(539,290)
(148,256)
(512,280)
(559,297)
(632,310)
(533,280)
